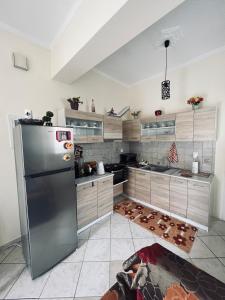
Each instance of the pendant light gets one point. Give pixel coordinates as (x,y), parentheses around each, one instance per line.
(165,86)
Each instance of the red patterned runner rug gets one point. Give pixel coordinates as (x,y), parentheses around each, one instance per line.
(168,228)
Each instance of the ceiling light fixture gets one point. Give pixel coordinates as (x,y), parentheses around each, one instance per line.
(165,85)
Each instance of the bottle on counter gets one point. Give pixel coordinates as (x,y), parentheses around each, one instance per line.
(92,105)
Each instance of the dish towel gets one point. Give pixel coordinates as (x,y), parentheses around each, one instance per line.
(173,157)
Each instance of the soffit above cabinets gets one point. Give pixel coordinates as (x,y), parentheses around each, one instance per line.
(195,28)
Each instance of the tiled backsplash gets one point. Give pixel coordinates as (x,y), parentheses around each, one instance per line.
(157,152)
(154,152)
(108,152)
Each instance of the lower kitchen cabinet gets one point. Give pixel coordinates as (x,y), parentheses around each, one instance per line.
(129,187)
(160,191)
(105,196)
(94,200)
(87,202)
(198,202)
(142,186)
(178,196)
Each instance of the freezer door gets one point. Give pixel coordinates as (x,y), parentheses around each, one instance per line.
(52,219)
(44,148)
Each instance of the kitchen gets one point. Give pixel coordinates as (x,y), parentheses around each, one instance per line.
(136,151)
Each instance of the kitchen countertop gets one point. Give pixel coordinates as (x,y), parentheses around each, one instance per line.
(86,179)
(176,173)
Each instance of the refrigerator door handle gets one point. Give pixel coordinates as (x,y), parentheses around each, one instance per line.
(46,173)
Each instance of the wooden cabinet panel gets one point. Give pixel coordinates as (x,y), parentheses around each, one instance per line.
(142,186)
(94,139)
(178,196)
(198,202)
(86,204)
(143,180)
(112,128)
(105,196)
(117,189)
(129,189)
(184,126)
(160,193)
(205,124)
(131,176)
(131,130)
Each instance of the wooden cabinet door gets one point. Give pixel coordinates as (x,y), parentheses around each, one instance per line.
(184,126)
(131,130)
(178,196)
(198,202)
(112,128)
(86,203)
(160,191)
(129,187)
(105,196)
(142,187)
(205,124)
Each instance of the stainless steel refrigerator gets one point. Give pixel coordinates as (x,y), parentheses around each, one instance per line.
(47,196)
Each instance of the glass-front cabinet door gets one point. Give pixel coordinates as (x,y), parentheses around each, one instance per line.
(87,127)
(160,128)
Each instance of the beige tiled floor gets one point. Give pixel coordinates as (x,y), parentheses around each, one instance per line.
(92,269)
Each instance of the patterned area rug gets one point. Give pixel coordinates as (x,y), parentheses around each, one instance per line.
(168,228)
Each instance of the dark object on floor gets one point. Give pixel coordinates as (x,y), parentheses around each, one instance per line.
(168,228)
(156,273)
(30,122)
(74,102)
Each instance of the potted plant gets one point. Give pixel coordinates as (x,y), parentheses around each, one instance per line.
(74,102)
(195,102)
(135,114)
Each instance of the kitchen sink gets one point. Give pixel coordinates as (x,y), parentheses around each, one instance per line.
(156,168)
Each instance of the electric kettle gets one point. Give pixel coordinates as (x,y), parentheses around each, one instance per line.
(100,168)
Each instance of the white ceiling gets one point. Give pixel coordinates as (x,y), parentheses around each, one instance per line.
(196,27)
(41,21)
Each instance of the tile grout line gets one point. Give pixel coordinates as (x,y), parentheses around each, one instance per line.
(210,250)
(45,283)
(81,264)
(15,282)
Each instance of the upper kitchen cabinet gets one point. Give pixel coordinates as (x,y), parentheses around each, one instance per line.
(161,128)
(112,128)
(87,127)
(131,130)
(166,127)
(184,126)
(148,129)
(205,124)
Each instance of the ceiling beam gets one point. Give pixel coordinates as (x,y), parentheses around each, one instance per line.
(98,29)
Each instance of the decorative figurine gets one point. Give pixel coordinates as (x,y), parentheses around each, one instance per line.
(135,114)
(48,118)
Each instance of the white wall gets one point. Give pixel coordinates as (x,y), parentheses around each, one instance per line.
(35,90)
(205,78)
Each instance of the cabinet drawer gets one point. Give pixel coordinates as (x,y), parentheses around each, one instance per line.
(174,181)
(143,195)
(199,186)
(160,180)
(105,184)
(87,186)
